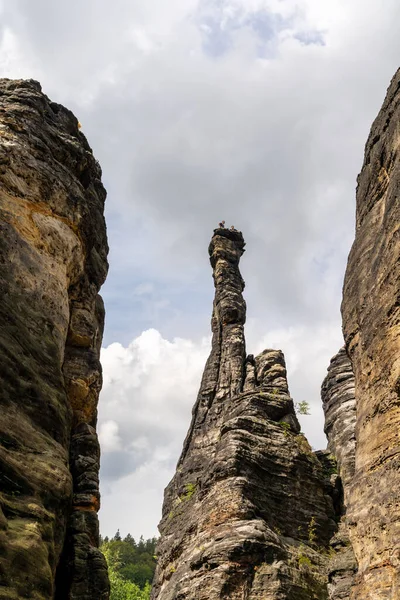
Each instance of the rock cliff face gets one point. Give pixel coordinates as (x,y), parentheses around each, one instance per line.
(371,325)
(250,511)
(53,251)
(340,418)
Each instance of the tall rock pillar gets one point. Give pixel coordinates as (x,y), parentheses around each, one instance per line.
(250,505)
(53,260)
(224,371)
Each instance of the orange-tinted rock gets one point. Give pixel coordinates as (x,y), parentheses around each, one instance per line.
(371,324)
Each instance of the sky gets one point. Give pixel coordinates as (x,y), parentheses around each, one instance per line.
(251,111)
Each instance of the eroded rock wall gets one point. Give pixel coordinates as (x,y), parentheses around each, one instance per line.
(371,324)
(338,400)
(339,404)
(249,512)
(53,251)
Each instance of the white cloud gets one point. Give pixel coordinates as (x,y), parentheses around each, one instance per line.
(10,55)
(144,289)
(144,412)
(108,436)
(133,503)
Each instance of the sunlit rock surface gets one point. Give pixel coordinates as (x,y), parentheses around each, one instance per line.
(53,250)
(371,324)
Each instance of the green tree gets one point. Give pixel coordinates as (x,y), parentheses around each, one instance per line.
(303,407)
(126,590)
(131,566)
(130,540)
(140,573)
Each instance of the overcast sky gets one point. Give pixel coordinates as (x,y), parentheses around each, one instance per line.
(252,111)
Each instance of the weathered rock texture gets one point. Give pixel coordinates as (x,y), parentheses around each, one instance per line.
(339,403)
(53,251)
(371,324)
(250,511)
(340,418)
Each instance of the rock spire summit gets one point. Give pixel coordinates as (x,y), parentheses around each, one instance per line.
(248,488)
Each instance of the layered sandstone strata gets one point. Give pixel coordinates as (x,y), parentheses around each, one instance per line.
(338,399)
(250,510)
(339,404)
(53,250)
(371,324)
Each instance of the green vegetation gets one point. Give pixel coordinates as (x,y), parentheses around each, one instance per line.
(286,428)
(312,526)
(131,566)
(304,561)
(303,408)
(333,470)
(330,466)
(126,590)
(303,444)
(190,490)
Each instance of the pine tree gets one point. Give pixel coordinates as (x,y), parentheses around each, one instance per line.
(117,537)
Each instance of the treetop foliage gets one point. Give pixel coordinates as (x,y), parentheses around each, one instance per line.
(131,566)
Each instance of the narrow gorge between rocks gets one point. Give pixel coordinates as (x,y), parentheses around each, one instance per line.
(252,512)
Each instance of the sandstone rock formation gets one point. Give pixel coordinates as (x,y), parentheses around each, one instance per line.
(339,403)
(53,250)
(371,325)
(250,510)
(340,418)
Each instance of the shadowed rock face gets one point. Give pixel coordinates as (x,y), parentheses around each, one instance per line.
(53,250)
(340,419)
(250,506)
(339,405)
(371,324)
